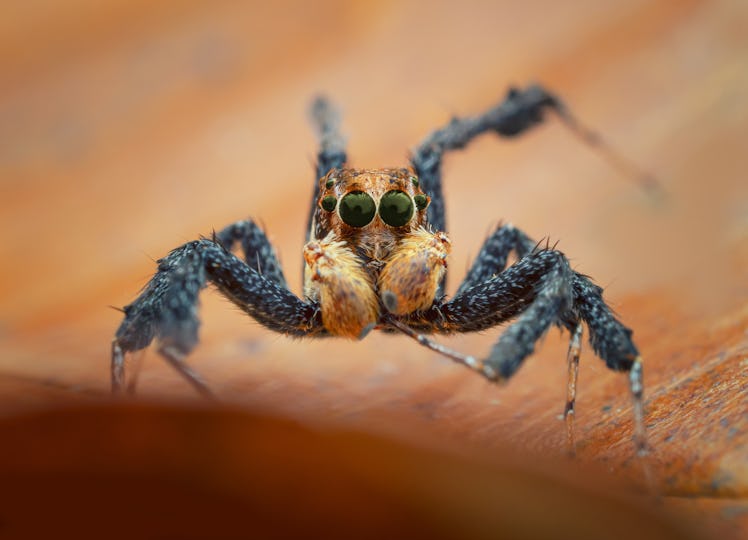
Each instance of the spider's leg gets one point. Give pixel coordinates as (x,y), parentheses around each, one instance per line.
(501,298)
(494,253)
(519,111)
(167,308)
(491,260)
(331,154)
(258,251)
(540,290)
(551,303)
(176,358)
(612,342)
(572,361)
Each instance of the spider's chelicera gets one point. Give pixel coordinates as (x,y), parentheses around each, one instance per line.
(376,258)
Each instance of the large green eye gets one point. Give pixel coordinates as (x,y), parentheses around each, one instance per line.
(396,208)
(357,209)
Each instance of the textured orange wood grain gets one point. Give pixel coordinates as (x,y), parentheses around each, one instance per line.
(126,130)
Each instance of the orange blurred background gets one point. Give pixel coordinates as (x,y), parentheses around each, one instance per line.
(128,128)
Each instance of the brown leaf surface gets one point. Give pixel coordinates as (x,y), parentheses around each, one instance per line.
(128,129)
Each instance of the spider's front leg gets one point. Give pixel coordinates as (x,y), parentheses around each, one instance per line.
(166,310)
(520,110)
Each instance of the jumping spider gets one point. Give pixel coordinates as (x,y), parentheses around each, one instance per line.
(376,257)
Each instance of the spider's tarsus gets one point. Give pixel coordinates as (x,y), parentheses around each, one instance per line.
(572,359)
(636,383)
(117,368)
(176,359)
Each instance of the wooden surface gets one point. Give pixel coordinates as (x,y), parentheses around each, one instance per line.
(127,129)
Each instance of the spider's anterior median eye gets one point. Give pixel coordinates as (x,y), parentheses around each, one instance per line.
(396,208)
(357,209)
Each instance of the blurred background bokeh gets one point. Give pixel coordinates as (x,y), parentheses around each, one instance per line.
(128,128)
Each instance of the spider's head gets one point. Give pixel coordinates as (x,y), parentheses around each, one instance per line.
(370,205)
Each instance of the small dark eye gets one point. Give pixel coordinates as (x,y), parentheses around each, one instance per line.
(422,201)
(357,209)
(396,208)
(329,203)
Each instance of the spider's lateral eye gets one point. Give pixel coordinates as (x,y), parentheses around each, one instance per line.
(396,208)
(414,180)
(329,183)
(422,201)
(357,209)
(329,203)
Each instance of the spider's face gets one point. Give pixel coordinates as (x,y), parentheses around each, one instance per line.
(370,247)
(370,207)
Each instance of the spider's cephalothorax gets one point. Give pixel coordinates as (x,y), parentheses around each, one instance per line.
(371,248)
(376,257)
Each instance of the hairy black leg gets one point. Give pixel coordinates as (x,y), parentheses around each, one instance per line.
(519,111)
(612,342)
(331,155)
(258,251)
(494,253)
(167,308)
(491,260)
(538,290)
(499,298)
(553,298)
